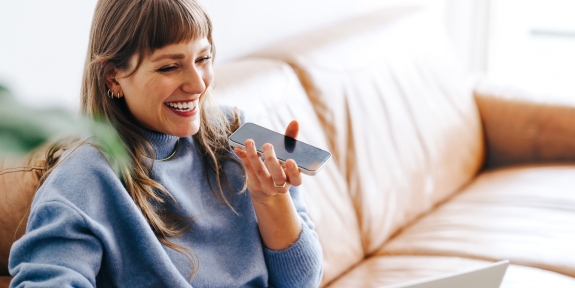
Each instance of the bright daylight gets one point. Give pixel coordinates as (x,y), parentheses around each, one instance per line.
(297,144)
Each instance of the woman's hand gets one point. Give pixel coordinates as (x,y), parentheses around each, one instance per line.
(278,220)
(268,178)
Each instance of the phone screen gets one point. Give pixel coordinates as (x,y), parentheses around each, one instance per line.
(307,157)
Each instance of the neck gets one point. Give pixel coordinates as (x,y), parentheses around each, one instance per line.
(164,144)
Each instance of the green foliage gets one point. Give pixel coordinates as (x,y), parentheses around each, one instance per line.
(23,129)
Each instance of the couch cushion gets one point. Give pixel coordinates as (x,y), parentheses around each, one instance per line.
(524,214)
(404,129)
(19,178)
(386,270)
(271,95)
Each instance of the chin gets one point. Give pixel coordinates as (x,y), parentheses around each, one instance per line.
(182,128)
(189,131)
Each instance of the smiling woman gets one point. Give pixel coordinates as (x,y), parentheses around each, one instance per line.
(180,201)
(164,92)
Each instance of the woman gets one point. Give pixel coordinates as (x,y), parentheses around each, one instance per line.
(178,214)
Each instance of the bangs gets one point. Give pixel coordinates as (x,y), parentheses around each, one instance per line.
(171,22)
(138,28)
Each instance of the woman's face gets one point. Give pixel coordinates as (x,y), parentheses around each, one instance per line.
(163,94)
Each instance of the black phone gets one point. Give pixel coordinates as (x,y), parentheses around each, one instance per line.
(309,159)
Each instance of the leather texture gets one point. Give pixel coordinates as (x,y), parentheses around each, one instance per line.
(269,93)
(525,214)
(522,128)
(5,281)
(404,129)
(17,174)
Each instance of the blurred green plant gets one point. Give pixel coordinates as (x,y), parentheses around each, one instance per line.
(23,129)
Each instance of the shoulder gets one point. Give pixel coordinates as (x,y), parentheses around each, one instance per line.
(82,176)
(84,161)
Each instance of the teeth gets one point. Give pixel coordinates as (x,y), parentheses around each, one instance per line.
(182,105)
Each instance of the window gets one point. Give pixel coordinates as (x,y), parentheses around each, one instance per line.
(532,44)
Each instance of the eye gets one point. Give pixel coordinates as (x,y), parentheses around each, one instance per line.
(167,68)
(204,59)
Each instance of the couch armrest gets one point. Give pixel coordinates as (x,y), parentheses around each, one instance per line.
(522,128)
(19,178)
(5,281)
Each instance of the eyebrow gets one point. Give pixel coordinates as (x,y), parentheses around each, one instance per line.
(168,56)
(177,56)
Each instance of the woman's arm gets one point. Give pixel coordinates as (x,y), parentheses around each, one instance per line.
(278,220)
(294,255)
(56,251)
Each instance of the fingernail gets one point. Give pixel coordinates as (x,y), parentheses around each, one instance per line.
(249,144)
(267,147)
(290,164)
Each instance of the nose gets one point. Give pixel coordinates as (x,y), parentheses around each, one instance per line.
(194,80)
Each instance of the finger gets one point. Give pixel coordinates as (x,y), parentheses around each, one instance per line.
(273,165)
(247,165)
(242,155)
(292,129)
(293,173)
(256,163)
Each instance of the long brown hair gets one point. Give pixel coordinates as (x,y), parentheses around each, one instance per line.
(120,30)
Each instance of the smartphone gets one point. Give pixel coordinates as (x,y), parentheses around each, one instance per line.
(309,159)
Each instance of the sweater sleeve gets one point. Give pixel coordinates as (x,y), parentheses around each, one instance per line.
(299,265)
(58,251)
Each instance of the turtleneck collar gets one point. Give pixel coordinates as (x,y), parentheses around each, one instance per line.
(164,144)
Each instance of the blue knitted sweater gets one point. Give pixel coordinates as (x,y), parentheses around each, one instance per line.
(84,230)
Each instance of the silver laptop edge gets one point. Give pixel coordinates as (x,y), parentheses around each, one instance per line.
(488,276)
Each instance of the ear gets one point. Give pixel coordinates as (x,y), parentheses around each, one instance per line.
(112,83)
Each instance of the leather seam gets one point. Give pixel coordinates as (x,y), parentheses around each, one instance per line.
(21,169)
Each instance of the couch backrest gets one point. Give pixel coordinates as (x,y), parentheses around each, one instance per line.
(17,174)
(404,129)
(271,95)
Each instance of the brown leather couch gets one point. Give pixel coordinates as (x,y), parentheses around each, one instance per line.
(430,173)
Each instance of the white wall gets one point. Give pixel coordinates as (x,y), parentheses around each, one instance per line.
(42,49)
(43,43)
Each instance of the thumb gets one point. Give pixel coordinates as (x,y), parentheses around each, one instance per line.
(292,129)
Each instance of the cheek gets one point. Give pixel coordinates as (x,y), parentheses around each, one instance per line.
(147,91)
(139,96)
(208,76)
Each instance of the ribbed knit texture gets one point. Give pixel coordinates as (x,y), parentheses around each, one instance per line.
(84,230)
(280,261)
(164,144)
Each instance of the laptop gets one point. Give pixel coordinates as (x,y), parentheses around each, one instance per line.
(489,276)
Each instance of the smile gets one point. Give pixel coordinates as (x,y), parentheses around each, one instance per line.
(183,106)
